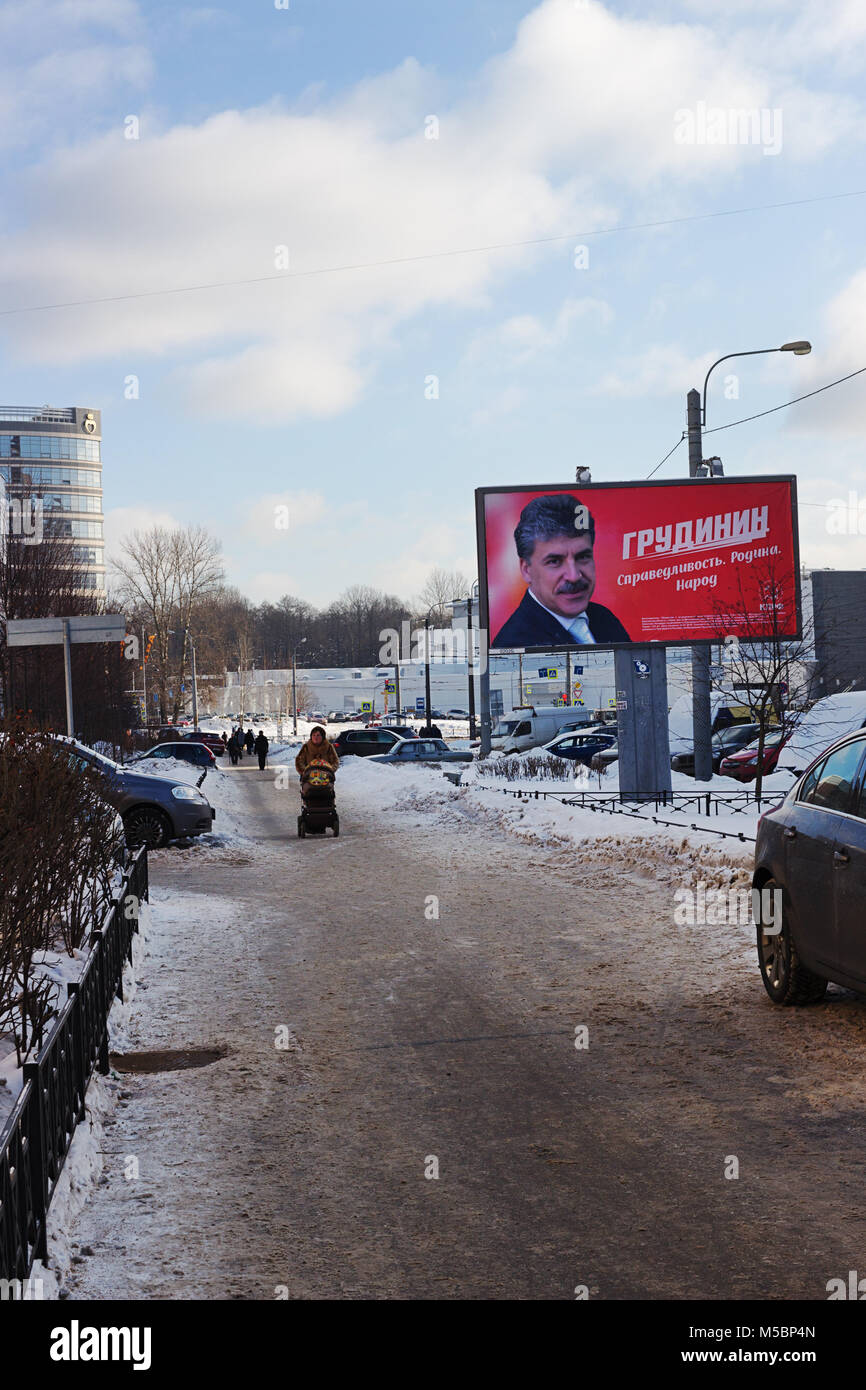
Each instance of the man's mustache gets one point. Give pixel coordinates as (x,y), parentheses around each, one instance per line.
(569,586)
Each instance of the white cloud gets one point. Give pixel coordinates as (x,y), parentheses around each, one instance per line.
(355,181)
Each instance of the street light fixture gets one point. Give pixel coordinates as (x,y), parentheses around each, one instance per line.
(800,348)
(696,419)
(294,687)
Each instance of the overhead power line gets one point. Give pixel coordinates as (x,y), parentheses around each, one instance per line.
(785,404)
(433,255)
(760,414)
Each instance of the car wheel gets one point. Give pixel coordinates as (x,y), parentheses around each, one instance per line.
(147,826)
(786,979)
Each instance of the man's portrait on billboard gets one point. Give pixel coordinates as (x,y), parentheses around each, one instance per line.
(555,550)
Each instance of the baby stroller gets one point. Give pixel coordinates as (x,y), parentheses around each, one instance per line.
(318,808)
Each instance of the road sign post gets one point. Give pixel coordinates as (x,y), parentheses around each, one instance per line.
(42,632)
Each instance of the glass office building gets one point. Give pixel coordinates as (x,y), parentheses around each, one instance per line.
(55,454)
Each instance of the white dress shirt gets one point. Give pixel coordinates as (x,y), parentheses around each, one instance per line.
(578,627)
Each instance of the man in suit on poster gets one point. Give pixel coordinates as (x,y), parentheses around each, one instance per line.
(555,539)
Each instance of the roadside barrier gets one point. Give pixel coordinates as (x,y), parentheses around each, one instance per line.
(35,1140)
(611,803)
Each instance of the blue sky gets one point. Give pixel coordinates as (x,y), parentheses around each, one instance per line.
(261,128)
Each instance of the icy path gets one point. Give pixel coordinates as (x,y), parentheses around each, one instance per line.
(408,1039)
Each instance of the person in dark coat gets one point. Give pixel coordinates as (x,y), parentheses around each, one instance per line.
(232,746)
(430,731)
(261,746)
(555,540)
(250,741)
(225,738)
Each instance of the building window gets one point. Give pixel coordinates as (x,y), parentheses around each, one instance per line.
(49,446)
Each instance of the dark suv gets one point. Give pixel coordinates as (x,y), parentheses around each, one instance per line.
(812,849)
(364,743)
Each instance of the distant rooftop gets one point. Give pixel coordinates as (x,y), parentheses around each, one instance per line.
(39,414)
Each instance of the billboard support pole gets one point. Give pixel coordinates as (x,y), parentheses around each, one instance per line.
(643,741)
(568,675)
(484,690)
(701,719)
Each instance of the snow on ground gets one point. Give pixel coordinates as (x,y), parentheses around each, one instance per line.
(671,842)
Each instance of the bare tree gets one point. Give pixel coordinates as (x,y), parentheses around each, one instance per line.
(162,574)
(761,666)
(441,589)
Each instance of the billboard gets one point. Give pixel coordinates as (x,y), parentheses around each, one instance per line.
(613,564)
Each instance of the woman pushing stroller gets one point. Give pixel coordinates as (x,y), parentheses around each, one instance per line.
(317,764)
(317,748)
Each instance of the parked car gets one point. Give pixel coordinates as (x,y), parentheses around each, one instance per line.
(744,764)
(580,748)
(154,810)
(828,720)
(812,849)
(457,714)
(197,753)
(404,730)
(727,740)
(212,741)
(423,750)
(365,743)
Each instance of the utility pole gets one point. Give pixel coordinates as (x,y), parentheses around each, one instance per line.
(568,675)
(470,633)
(701,719)
(194,686)
(427,667)
(144,676)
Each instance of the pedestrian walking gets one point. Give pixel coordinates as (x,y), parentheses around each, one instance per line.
(232,746)
(261,746)
(250,741)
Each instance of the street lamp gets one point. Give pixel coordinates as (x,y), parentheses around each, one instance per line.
(470,632)
(696,419)
(800,349)
(187,637)
(294,687)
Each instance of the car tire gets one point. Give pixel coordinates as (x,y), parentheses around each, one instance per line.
(785,977)
(147,825)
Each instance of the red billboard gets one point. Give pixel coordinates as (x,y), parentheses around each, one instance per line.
(610,564)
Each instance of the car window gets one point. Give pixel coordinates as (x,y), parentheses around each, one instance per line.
(408,750)
(833,787)
(523,727)
(807,788)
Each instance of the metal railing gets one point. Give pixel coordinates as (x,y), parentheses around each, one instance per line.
(36,1138)
(700,803)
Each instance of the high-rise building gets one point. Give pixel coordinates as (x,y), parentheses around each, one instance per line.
(55,453)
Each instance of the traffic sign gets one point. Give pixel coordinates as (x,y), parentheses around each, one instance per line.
(366,706)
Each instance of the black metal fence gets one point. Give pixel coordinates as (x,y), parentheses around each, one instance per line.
(36,1138)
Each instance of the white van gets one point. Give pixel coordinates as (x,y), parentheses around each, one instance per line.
(531,726)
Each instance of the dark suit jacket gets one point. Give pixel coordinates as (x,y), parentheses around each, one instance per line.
(530,625)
